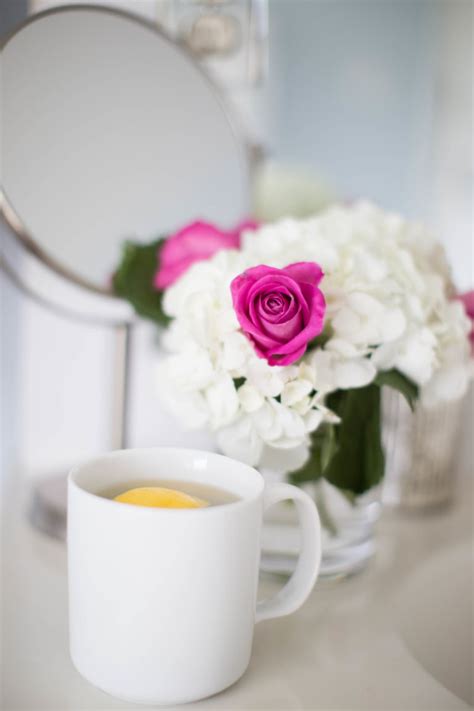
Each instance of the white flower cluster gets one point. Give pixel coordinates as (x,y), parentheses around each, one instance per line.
(389,305)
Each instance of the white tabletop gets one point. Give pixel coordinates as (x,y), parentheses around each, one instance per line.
(397,636)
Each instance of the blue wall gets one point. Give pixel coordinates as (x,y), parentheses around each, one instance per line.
(351,93)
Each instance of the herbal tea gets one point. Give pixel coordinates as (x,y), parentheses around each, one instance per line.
(169,494)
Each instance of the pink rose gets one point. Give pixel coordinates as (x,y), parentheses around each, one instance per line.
(280,310)
(468,302)
(195,242)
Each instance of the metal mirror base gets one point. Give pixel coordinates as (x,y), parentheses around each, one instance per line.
(48,508)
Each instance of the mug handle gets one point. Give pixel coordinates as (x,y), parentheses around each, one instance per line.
(299,586)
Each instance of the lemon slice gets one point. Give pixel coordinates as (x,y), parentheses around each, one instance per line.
(160,497)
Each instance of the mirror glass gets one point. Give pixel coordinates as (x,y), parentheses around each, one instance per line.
(110,131)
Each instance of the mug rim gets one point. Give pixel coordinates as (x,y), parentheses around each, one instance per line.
(153,511)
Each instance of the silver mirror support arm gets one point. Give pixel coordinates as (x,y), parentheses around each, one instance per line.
(123,330)
(48,506)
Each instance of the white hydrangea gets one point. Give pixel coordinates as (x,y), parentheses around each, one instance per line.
(387,290)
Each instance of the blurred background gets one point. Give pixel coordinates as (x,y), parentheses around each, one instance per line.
(369,99)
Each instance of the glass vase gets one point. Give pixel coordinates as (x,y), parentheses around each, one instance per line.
(347,526)
(348,531)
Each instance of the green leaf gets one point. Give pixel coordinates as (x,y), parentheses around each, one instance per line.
(310,471)
(133,279)
(323,445)
(358,462)
(329,446)
(396,380)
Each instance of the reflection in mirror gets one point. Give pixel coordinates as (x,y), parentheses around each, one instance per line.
(110,130)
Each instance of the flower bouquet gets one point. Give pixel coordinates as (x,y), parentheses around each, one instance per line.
(281,336)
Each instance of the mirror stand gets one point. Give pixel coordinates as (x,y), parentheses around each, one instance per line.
(48,506)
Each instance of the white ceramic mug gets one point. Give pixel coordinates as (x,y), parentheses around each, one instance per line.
(163,602)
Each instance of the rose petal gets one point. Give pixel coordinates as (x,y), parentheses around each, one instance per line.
(283,331)
(255,273)
(312,329)
(255,331)
(287,359)
(305,272)
(195,242)
(169,273)
(289,310)
(274,305)
(199,239)
(247,225)
(268,283)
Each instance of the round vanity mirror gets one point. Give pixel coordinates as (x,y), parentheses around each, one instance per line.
(111,130)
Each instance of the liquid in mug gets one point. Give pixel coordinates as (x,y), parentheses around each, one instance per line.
(212,495)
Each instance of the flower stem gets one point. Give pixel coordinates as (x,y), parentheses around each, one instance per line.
(327,521)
